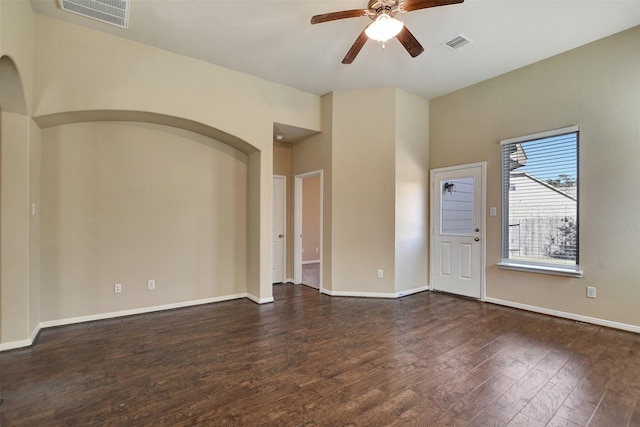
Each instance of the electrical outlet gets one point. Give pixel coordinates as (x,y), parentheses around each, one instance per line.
(117,288)
(380,274)
(591,292)
(151,284)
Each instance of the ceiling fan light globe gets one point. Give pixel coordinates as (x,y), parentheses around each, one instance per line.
(384,28)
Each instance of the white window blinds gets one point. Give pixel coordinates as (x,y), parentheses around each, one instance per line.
(540,198)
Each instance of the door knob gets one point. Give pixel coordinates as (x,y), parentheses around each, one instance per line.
(281,235)
(477,229)
(477,239)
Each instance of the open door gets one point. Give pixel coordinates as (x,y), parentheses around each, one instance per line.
(307,246)
(457,230)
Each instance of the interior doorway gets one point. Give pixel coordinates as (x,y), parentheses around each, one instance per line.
(307,242)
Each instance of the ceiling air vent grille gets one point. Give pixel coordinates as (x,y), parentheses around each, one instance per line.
(457,42)
(115,12)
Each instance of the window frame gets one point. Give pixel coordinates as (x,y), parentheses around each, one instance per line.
(531,266)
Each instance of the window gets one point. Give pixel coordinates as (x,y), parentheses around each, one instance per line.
(540,202)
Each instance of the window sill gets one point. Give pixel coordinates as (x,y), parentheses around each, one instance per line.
(544,269)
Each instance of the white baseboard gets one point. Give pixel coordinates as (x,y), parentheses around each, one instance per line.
(374,294)
(102,316)
(11,345)
(313,261)
(259,300)
(141,310)
(571,316)
(413,291)
(358,294)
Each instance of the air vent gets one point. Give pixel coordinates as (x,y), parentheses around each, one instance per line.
(457,42)
(114,12)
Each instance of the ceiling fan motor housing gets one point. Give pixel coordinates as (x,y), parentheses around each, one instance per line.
(376,7)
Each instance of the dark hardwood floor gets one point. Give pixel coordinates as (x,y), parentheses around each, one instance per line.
(309,359)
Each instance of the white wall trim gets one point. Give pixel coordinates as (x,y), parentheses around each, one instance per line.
(374,294)
(313,261)
(11,345)
(543,269)
(572,316)
(413,291)
(141,310)
(110,315)
(358,294)
(259,300)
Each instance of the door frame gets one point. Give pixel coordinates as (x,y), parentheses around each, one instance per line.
(297,224)
(284,227)
(483,220)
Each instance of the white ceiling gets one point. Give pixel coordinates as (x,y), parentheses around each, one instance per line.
(274,40)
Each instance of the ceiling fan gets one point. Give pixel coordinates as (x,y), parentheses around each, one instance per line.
(384,25)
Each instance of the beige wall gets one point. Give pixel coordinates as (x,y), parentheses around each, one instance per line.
(313,154)
(14,226)
(411,192)
(35,182)
(596,87)
(364,201)
(172,86)
(128,202)
(19,173)
(17,42)
(375,144)
(117,74)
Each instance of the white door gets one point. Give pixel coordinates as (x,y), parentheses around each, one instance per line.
(457,230)
(277,235)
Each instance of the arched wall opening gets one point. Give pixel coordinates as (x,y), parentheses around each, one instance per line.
(129,197)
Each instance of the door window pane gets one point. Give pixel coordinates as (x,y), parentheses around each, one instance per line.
(456,207)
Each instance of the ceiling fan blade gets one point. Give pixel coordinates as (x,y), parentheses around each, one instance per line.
(409,42)
(355,49)
(326,17)
(410,5)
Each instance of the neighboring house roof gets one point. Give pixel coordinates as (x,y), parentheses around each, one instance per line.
(568,192)
(517,157)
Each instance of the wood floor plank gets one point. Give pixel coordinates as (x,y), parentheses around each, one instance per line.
(522,420)
(614,409)
(507,406)
(583,400)
(475,401)
(310,359)
(547,401)
(558,421)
